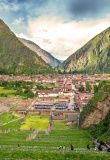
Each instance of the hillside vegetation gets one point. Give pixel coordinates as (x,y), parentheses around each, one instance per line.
(16,58)
(93,57)
(96,114)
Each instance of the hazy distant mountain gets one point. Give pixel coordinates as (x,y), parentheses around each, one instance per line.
(46,56)
(16,58)
(61,60)
(93,57)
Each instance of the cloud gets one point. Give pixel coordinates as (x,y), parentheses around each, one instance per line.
(62,39)
(82,9)
(5,7)
(18,21)
(68,9)
(58,26)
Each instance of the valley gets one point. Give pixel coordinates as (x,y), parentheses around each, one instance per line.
(51,116)
(51,110)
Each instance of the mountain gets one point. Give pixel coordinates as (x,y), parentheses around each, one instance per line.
(46,56)
(61,61)
(93,57)
(16,58)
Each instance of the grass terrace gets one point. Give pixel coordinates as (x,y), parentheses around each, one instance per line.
(34,121)
(45,145)
(12,125)
(14,138)
(9,121)
(60,125)
(79,138)
(7,92)
(6,117)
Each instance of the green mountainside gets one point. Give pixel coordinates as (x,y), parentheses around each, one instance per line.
(16,58)
(46,56)
(93,57)
(96,114)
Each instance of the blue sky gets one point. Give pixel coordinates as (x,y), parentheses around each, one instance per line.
(58,26)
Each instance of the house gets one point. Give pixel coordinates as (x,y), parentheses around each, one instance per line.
(43,93)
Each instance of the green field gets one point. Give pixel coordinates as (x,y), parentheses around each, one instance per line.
(7,92)
(33,154)
(9,121)
(60,125)
(33,121)
(45,145)
(6,117)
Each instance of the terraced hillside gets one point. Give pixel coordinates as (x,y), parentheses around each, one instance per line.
(15,144)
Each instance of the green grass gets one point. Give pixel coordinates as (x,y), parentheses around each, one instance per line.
(35,122)
(45,146)
(59,125)
(56,138)
(6,117)
(14,125)
(79,138)
(7,92)
(14,138)
(9,121)
(33,154)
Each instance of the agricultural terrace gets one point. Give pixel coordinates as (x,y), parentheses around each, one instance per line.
(7,92)
(15,129)
(60,125)
(34,121)
(46,146)
(10,121)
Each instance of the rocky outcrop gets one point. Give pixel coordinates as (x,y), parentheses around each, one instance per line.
(99,113)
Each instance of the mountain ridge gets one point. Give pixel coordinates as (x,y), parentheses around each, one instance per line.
(93,57)
(15,58)
(46,56)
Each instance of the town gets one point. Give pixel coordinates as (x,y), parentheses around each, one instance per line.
(63,95)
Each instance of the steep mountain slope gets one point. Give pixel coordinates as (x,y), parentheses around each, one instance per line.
(47,57)
(93,57)
(16,58)
(96,114)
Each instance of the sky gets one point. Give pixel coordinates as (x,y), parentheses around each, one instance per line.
(58,26)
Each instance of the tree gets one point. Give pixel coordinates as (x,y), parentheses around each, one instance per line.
(36,94)
(95,89)
(81,88)
(88,87)
(30,94)
(70,71)
(19,91)
(59,71)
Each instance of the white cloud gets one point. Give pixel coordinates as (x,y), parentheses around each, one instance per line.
(63,39)
(18,21)
(21,35)
(4,6)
